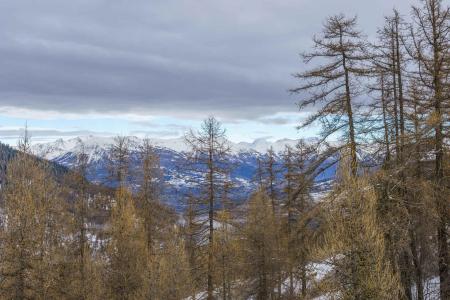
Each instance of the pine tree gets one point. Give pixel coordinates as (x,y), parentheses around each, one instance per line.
(191,231)
(172,273)
(81,262)
(431,39)
(150,174)
(389,68)
(127,271)
(119,158)
(209,155)
(225,250)
(296,211)
(260,248)
(336,84)
(354,243)
(33,230)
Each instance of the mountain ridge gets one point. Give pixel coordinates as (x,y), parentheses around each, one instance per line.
(50,149)
(173,154)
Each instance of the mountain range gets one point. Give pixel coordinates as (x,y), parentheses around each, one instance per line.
(173,156)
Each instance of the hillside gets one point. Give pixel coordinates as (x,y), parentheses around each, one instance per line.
(173,155)
(7,153)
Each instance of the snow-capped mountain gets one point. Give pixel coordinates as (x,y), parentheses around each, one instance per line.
(95,144)
(173,156)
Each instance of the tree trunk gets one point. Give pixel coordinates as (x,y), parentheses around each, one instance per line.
(351,126)
(417,267)
(400,85)
(442,202)
(385,124)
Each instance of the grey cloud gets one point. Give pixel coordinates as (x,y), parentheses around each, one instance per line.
(230,58)
(277,121)
(36,133)
(156,133)
(172,127)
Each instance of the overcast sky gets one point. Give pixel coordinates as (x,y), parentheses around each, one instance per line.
(157,67)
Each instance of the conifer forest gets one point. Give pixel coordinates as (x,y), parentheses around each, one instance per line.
(377,227)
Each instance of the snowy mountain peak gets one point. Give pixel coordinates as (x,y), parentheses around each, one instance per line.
(263,144)
(97,145)
(172,155)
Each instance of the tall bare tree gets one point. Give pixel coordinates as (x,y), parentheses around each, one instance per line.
(84,281)
(431,41)
(335,84)
(209,154)
(150,181)
(296,206)
(119,159)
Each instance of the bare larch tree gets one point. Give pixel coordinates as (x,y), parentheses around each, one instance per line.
(209,154)
(334,84)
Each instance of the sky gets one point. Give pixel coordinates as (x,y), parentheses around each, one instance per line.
(156,68)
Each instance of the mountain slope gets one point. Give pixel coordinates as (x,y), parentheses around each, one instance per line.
(7,153)
(173,156)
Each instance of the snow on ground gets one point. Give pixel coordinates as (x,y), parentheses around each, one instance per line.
(431,289)
(320,270)
(317,270)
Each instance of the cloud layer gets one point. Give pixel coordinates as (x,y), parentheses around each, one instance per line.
(231,58)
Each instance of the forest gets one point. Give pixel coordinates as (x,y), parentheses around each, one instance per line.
(381,231)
